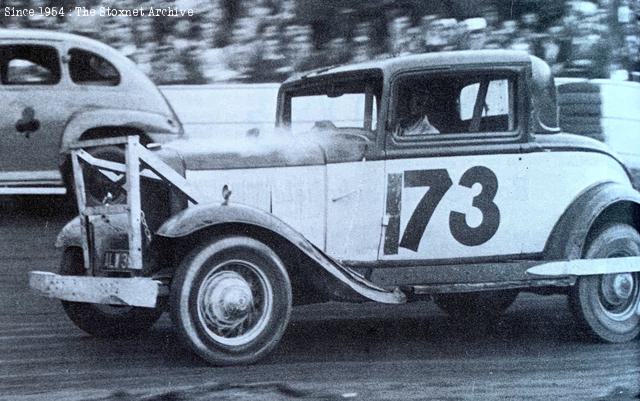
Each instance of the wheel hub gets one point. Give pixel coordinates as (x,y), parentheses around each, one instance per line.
(228,298)
(617,288)
(234,302)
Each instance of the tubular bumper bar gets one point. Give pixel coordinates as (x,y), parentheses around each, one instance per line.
(135,291)
(588,267)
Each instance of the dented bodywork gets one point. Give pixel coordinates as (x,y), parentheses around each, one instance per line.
(209,216)
(390,181)
(108,230)
(356,199)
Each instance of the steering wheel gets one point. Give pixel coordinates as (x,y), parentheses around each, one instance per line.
(323,125)
(361,136)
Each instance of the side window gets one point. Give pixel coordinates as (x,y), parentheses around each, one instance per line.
(345,111)
(86,68)
(429,105)
(29,65)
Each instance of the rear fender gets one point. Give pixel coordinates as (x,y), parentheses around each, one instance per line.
(599,204)
(151,123)
(70,234)
(200,217)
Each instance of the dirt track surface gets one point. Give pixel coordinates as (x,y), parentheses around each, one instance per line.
(330,352)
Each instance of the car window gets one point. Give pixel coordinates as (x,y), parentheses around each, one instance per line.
(345,111)
(428,105)
(336,105)
(29,65)
(86,68)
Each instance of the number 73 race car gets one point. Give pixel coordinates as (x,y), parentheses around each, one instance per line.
(437,176)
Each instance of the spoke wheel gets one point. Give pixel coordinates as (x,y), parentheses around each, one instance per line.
(605,305)
(231,300)
(234,302)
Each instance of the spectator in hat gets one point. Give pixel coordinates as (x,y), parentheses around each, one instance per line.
(441,35)
(475,36)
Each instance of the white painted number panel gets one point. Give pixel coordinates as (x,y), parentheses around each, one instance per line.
(421,208)
(486,205)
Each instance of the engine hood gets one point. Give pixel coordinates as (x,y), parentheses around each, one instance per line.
(279,149)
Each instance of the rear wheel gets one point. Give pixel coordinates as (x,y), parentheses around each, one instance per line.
(103,320)
(605,306)
(231,300)
(476,305)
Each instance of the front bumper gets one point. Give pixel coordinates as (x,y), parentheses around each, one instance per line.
(137,291)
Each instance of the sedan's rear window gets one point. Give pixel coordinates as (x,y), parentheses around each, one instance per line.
(86,68)
(29,65)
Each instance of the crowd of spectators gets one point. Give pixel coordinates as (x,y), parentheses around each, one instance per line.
(266,40)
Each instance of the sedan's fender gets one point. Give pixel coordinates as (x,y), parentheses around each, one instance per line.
(148,122)
(195,218)
(608,201)
(70,234)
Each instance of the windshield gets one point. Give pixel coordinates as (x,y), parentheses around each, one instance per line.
(346,105)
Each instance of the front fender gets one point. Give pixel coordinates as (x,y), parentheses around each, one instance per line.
(195,218)
(569,236)
(70,235)
(152,123)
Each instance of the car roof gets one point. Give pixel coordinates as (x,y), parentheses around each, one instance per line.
(42,34)
(393,65)
(62,37)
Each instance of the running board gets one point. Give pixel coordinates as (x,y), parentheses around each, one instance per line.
(432,289)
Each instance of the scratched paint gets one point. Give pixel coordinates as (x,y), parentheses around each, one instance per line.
(355,207)
(293,194)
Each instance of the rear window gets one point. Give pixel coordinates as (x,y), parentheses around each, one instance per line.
(86,68)
(29,65)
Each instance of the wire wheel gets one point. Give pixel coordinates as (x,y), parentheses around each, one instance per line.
(231,300)
(234,302)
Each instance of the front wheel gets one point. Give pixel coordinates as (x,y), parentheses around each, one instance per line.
(605,305)
(231,300)
(103,320)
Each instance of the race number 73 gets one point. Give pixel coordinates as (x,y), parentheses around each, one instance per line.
(438,182)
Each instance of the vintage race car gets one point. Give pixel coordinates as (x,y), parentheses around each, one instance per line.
(438,176)
(58,88)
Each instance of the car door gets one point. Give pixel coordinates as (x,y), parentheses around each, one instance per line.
(342,115)
(33,115)
(455,185)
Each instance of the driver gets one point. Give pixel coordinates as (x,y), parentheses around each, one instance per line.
(417,122)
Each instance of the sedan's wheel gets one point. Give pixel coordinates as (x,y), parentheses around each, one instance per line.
(476,306)
(103,320)
(231,300)
(605,305)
